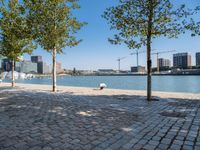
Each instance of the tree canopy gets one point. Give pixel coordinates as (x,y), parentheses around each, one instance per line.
(193,24)
(15,35)
(52,23)
(131,20)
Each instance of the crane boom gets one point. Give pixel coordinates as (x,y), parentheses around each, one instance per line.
(161,52)
(137,54)
(119,61)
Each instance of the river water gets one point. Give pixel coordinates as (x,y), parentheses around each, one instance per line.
(189,84)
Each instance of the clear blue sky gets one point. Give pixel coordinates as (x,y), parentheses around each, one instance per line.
(96,52)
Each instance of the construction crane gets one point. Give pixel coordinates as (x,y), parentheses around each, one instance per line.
(119,62)
(137,55)
(158,53)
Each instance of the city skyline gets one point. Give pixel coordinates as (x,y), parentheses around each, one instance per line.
(34,64)
(168,63)
(123,65)
(96,52)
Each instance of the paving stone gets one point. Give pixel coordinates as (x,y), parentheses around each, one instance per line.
(154,142)
(21,145)
(197,148)
(188,143)
(198,143)
(166,141)
(180,138)
(156,138)
(149,147)
(187,147)
(175,147)
(163,146)
(142,142)
(127,146)
(47,148)
(178,142)
(35,148)
(190,138)
(137,147)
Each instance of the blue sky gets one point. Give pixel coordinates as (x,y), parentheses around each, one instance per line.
(95,52)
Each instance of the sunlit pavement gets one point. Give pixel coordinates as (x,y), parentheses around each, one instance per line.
(42,120)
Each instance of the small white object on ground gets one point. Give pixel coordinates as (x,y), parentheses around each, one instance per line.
(0,81)
(102,86)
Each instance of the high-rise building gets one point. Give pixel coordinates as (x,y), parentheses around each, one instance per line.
(18,66)
(0,63)
(28,67)
(58,67)
(182,60)
(164,62)
(139,69)
(43,68)
(198,59)
(6,65)
(36,59)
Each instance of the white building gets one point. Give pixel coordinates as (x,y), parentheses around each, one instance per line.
(164,62)
(26,67)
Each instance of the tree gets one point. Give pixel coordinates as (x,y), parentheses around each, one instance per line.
(192,24)
(53,25)
(139,21)
(15,39)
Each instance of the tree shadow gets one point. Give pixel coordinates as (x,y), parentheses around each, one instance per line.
(76,121)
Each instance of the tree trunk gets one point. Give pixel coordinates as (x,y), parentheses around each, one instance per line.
(158,66)
(13,76)
(148,70)
(149,63)
(54,70)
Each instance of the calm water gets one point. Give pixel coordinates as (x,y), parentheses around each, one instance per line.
(190,84)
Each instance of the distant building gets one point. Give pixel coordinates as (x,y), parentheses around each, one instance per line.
(6,65)
(86,72)
(43,68)
(36,59)
(198,59)
(0,63)
(164,62)
(18,66)
(58,67)
(182,60)
(27,67)
(139,69)
(106,71)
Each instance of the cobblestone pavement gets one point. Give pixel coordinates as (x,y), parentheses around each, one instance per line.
(40,120)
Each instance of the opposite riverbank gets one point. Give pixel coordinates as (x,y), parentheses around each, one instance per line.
(107,92)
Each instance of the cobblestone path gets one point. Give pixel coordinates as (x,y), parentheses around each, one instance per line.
(37,120)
